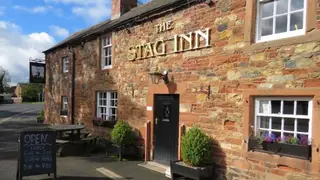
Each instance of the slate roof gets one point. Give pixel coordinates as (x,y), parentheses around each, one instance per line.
(137,12)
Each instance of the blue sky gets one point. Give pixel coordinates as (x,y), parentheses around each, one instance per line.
(27,27)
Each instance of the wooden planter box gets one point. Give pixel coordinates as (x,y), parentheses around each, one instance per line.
(107,124)
(290,150)
(178,169)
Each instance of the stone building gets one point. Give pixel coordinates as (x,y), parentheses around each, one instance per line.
(236,68)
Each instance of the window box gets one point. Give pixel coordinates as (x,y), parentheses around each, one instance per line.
(179,168)
(64,112)
(105,123)
(290,150)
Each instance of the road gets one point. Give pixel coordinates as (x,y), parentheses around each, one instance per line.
(15,117)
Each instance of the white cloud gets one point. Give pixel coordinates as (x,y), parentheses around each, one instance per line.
(92,14)
(59,31)
(16,48)
(36,9)
(92,11)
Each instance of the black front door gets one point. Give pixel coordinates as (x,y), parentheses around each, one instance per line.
(166,128)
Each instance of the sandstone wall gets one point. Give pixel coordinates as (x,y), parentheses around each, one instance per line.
(230,67)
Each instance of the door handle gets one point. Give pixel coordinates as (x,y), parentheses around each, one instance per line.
(156,120)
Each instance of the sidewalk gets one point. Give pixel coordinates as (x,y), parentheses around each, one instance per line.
(131,170)
(86,168)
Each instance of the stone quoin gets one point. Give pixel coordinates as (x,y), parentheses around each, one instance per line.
(236,68)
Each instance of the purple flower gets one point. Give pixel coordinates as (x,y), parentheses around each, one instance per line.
(303,140)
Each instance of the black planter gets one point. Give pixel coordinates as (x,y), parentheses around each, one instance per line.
(296,151)
(107,124)
(63,112)
(178,169)
(290,150)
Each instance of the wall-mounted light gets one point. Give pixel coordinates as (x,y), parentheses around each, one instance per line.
(157,76)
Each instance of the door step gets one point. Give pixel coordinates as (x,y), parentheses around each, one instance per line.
(155,166)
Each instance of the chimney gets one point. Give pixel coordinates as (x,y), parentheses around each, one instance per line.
(119,7)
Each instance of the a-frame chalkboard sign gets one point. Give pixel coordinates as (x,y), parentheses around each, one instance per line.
(37,153)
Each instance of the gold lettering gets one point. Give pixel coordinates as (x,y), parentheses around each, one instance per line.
(168,25)
(163,47)
(139,51)
(148,50)
(132,53)
(175,44)
(183,38)
(204,35)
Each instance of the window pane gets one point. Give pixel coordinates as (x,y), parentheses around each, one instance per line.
(275,107)
(105,51)
(302,107)
(303,125)
(109,51)
(116,103)
(278,134)
(281,24)
(288,135)
(112,95)
(288,124)
(262,132)
(264,106)
(267,9)
(288,107)
(296,21)
(111,103)
(282,6)
(297,4)
(276,123)
(266,27)
(264,122)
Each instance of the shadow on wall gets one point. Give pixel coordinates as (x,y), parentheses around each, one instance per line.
(219,161)
(131,98)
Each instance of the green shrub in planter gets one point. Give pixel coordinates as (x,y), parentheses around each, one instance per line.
(122,134)
(41,113)
(196,147)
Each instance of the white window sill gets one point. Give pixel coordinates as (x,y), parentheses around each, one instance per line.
(280,36)
(107,67)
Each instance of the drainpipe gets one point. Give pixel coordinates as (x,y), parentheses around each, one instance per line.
(73,86)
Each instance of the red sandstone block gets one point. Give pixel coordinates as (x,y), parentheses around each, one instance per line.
(260,168)
(272,55)
(221,43)
(295,71)
(234,141)
(237,4)
(312,83)
(229,123)
(287,168)
(278,172)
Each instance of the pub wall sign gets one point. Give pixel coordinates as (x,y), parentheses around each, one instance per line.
(159,47)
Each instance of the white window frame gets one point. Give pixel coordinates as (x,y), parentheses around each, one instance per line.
(287,34)
(108,107)
(65,64)
(104,47)
(294,116)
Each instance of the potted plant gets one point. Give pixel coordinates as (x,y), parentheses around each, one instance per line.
(196,154)
(284,146)
(64,112)
(122,135)
(40,118)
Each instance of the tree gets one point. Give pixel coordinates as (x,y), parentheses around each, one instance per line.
(4,80)
(30,92)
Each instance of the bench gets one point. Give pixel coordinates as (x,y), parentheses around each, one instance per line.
(61,143)
(88,142)
(82,134)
